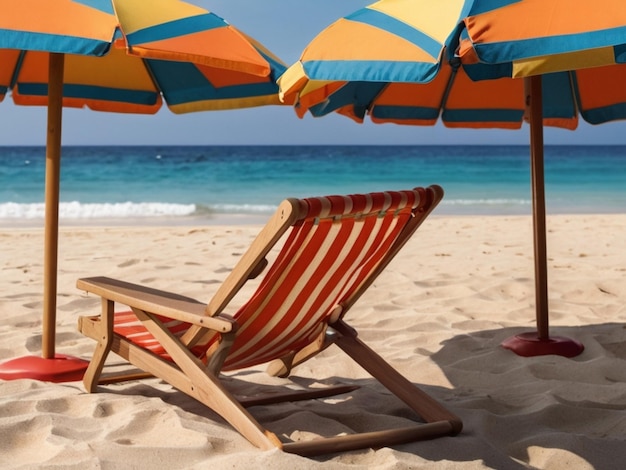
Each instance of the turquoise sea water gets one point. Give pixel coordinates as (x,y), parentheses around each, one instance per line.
(180,182)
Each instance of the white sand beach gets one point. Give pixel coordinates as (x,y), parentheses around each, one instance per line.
(438,314)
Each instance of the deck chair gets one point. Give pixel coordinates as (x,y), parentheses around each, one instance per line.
(334,247)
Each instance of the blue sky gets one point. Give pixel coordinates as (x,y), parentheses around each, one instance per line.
(285,27)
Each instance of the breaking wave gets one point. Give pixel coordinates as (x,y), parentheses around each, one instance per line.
(78,210)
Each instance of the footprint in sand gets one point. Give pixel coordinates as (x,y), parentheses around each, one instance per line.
(28,324)
(68,338)
(130,262)
(19,296)
(33,343)
(35,305)
(125,442)
(79,304)
(53,405)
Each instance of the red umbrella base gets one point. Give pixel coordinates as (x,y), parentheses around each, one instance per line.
(60,369)
(529,344)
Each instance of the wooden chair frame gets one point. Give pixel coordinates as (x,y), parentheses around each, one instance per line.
(201,381)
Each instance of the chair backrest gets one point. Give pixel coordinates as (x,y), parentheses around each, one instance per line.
(336,247)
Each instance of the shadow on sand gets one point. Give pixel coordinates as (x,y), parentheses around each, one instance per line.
(518,413)
(543,412)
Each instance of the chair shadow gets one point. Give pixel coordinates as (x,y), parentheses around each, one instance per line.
(515,407)
(322,417)
(511,406)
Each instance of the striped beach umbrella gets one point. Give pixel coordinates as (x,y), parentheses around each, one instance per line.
(463,63)
(369,63)
(572,59)
(131,55)
(125,56)
(393,61)
(535,37)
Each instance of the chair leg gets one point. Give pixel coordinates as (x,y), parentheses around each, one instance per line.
(207,389)
(104,326)
(373,440)
(192,377)
(422,403)
(92,374)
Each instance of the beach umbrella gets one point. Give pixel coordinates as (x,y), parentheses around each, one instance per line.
(418,62)
(126,56)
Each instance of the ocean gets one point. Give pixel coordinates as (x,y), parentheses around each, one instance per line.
(187,184)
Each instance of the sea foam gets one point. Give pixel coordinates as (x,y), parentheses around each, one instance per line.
(78,210)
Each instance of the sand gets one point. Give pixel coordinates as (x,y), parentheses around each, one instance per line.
(438,314)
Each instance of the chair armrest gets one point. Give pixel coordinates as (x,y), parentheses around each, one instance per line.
(156,301)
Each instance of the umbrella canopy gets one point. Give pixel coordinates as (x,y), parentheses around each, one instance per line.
(395,61)
(548,37)
(458,62)
(130,55)
(120,56)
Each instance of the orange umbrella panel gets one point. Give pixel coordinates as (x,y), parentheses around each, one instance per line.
(63,26)
(116,82)
(134,55)
(539,36)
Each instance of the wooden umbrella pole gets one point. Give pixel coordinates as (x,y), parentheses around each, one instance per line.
(51,367)
(539,343)
(535,104)
(53,174)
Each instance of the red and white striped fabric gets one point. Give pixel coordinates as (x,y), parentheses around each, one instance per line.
(328,254)
(128,325)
